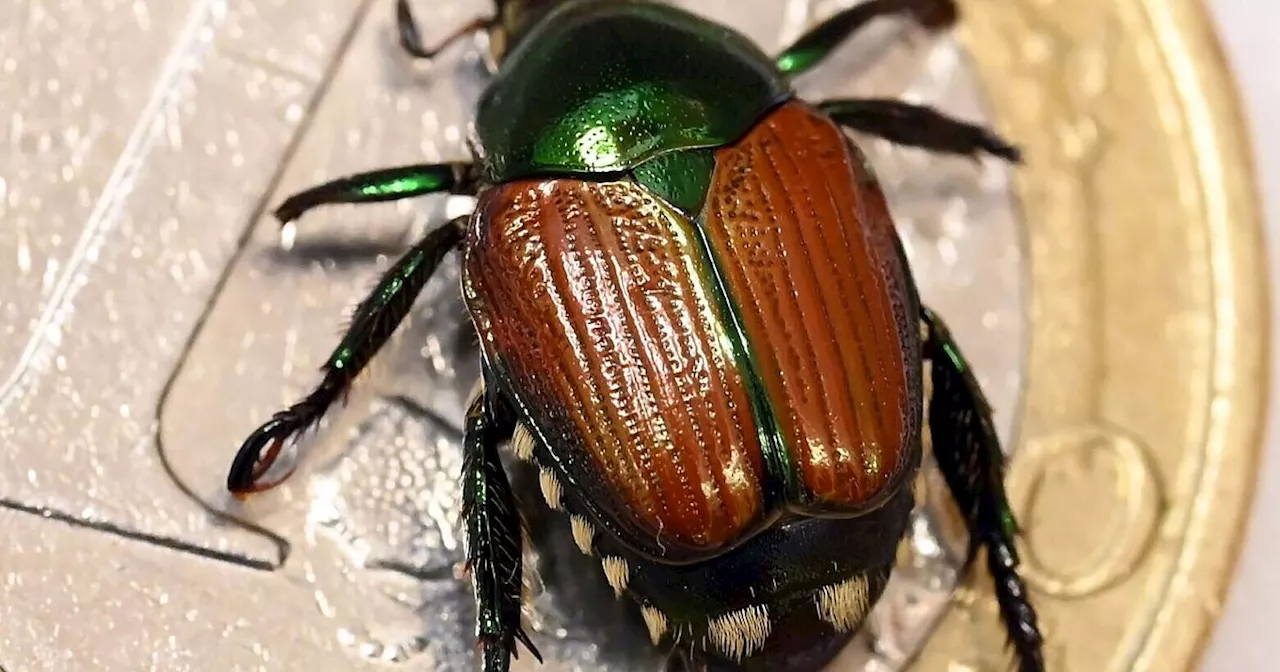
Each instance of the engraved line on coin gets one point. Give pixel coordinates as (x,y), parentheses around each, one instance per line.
(291,148)
(134,535)
(181,61)
(423,412)
(1129,533)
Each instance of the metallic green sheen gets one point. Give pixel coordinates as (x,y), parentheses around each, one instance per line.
(680,178)
(803,56)
(601,87)
(821,40)
(427,182)
(782,485)
(683,179)
(391,289)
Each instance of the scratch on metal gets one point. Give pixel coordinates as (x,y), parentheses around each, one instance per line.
(126,533)
(192,45)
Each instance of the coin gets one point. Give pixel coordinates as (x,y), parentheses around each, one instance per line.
(1143,417)
(1109,293)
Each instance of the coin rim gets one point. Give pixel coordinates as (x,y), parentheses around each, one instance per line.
(1216,137)
(1239,231)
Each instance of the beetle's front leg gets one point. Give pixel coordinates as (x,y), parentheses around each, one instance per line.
(385,184)
(375,320)
(494,531)
(818,42)
(968,452)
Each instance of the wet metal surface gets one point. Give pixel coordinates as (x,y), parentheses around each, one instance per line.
(151,320)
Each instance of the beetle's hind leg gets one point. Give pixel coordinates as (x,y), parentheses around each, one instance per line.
(494,530)
(815,45)
(375,320)
(918,126)
(411,39)
(967,450)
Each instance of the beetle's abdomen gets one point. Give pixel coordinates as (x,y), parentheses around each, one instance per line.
(810,255)
(594,305)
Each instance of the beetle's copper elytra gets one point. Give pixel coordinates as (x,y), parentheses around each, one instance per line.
(618,297)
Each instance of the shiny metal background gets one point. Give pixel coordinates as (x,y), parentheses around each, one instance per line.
(150,320)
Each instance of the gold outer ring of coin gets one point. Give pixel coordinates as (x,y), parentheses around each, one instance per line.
(1142,422)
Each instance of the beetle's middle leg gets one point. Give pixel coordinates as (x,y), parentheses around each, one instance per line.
(967,450)
(374,321)
(494,530)
(917,126)
(815,45)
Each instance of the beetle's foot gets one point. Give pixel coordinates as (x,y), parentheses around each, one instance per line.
(411,39)
(294,207)
(934,14)
(500,650)
(497,653)
(258,454)
(1015,607)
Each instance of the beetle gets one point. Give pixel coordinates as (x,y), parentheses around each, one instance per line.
(697,319)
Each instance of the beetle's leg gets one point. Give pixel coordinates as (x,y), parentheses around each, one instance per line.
(387,184)
(816,44)
(494,531)
(918,126)
(968,453)
(411,39)
(375,319)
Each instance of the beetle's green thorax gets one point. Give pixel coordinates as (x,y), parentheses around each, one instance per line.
(680,178)
(598,87)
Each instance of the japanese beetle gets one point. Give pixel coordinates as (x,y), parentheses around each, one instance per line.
(697,319)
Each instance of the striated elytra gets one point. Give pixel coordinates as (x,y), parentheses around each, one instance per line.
(697,320)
